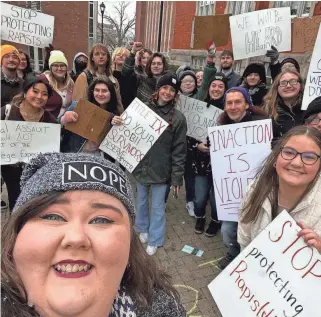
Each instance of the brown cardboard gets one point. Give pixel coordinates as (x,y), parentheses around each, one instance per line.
(304,33)
(93,122)
(211,28)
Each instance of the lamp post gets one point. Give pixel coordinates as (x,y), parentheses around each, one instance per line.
(102,10)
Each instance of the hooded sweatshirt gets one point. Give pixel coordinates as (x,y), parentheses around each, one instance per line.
(77,69)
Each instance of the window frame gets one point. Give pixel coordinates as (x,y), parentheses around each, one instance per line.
(301,8)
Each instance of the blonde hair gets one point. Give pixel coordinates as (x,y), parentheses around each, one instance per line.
(117,51)
(68,82)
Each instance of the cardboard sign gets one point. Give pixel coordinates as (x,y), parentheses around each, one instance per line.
(93,122)
(312,88)
(129,143)
(304,33)
(199,117)
(255,32)
(276,275)
(26,26)
(236,151)
(211,28)
(21,141)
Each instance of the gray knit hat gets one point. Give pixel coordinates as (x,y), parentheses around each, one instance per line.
(74,171)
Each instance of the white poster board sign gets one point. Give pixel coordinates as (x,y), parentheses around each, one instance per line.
(276,275)
(255,32)
(26,26)
(312,88)
(236,151)
(199,117)
(129,143)
(21,141)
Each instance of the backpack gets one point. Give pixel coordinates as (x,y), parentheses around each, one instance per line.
(89,76)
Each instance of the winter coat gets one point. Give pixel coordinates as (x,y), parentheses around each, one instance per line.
(9,88)
(232,79)
(165,161)
(308,211)
(275,69)
(257,94)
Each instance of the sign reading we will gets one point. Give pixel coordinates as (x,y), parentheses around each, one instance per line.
(255,32)
(198,116)
(312,88)
(22,141)
(26,26)
(276,275)
(236,151)
(129,142)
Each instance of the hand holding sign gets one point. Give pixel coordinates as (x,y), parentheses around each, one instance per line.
(311,238)
(69,117)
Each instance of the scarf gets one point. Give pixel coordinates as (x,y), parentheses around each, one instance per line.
(123,305)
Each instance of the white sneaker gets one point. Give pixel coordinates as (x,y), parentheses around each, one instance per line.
(143,237)
(151,250)
(190,208)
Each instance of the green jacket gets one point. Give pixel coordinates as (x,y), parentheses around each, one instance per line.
(209,71)
(165,161)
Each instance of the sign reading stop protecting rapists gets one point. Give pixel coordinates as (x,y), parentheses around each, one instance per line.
(237,150)
(312,88)
(199,117)
(255,32)
(26,26)
(276,275)
(21,141)
(130,142)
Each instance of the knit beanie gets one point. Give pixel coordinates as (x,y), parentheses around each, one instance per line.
(9,49)
(292,61)
(313,108)
(170,79)
(256,68)
(221,77)
(55,172)
(187,73)
(57,57)
(243,91)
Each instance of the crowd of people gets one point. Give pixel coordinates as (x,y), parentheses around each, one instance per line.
(95,228)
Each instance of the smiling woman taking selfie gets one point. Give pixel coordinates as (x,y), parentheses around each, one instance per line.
(289,180)
(70,248)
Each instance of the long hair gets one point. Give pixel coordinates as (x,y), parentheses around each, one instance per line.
(140,277)
(28,69)
(112,104)
(149,64)
(270,101)
(118,50)
(141,53)
(68,82)
(266,185)
(91,64)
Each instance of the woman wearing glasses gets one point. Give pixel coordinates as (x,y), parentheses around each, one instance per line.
(312,116)
(58,77)
(289,180)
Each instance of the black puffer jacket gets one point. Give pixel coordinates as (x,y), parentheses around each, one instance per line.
(257,94)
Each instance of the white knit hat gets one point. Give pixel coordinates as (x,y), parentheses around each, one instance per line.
(57,57)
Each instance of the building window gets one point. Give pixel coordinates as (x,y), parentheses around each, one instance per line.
(91,25)
(198,62)
(34,5)
(36,58)
(239,7)
(298,8)
(205,8)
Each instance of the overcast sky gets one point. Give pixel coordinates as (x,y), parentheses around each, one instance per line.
(109,7)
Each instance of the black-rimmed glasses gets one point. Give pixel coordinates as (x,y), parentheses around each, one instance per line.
(307,158)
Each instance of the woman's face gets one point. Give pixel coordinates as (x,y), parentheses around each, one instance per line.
(314,121)
(59,70)
(99,57)
(188,85)
(294,173)
(253,79)
(120,58)
(289,86)
(102,94)
(157,66)
(37,96)
(145,58)
(199,77)
(23,62)
(71,257)
(166,94)
(216,90)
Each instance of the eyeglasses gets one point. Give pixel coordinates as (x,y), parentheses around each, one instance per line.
(292,82)
(62,66)
(307,158)
(313,120)
(100,54)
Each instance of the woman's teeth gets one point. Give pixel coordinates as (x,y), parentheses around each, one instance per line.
(69,268)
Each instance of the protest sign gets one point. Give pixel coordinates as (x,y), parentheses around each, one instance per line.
(304,33)
(255,32)
(93,122)
(198,116)
(129,142)
(211,28)
(276,275)
(26,26)
(21,141)
(236,151)
(312,88)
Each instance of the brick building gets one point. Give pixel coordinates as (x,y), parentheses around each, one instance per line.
(178,20)
(74,30)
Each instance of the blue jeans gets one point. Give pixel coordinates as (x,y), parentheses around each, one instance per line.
(204,191)
(189,186)
(229,234)
(155,223)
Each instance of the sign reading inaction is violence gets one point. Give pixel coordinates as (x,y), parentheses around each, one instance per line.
(129,143)
(26,26)
(255,32)
(237,150)
(312,88)
(277,275)
(199,117)
(22,141)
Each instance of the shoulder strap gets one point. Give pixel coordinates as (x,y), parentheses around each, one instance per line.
(89,76)
(7,111)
